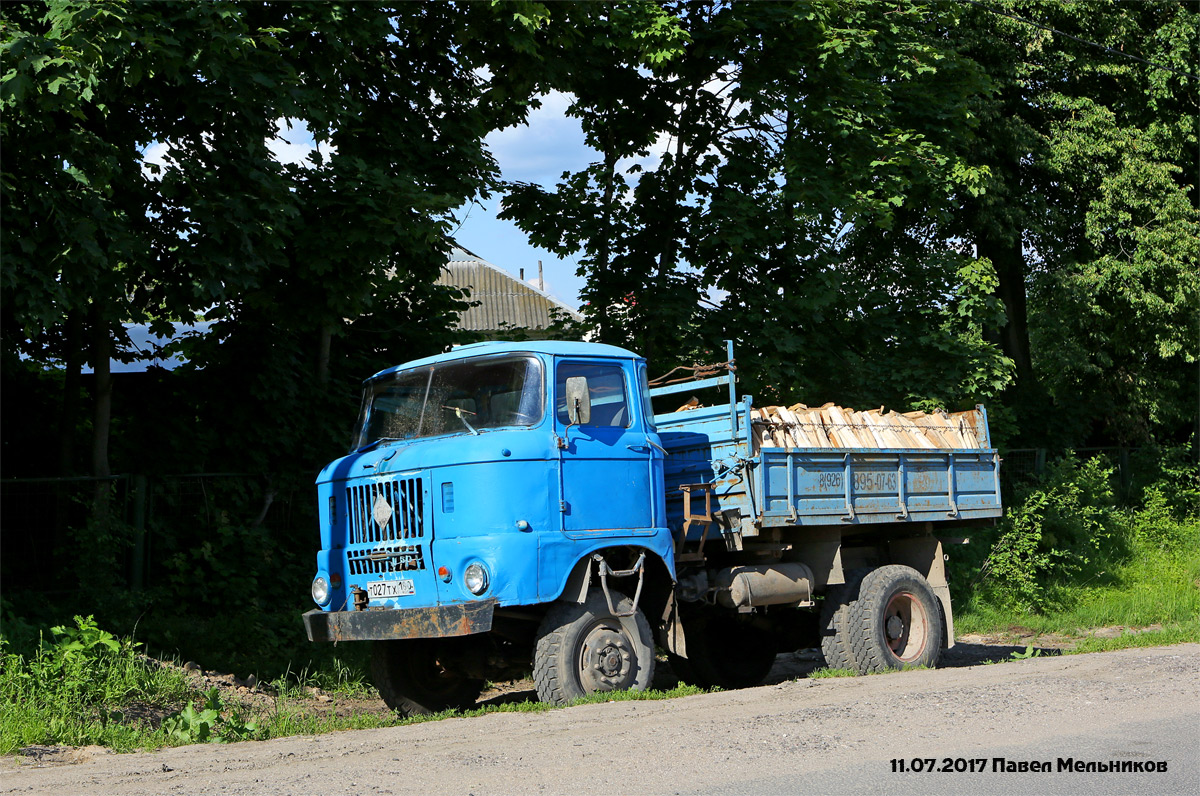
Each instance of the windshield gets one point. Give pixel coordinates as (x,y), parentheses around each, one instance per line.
(454,397)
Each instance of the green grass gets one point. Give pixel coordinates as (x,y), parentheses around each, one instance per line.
(79,689)
(1174,634)
(1155,585)
(335,677)
(827,671)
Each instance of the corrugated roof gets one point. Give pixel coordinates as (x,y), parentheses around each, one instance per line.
(503,299)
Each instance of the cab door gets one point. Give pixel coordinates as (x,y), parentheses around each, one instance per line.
(606,458)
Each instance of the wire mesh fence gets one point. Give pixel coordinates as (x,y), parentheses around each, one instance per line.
(1021,465)
(46,526)
(44,522)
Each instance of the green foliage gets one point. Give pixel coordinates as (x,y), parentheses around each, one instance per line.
(1173,473)
(73,690)
(311,274)
(803,154)
(831,672)
(1090,213)
(1066,560)
(1062,527)
(214,722)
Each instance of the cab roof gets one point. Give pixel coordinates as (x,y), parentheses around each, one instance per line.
(562,348)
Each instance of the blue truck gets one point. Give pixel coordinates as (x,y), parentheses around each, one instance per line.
(517,506)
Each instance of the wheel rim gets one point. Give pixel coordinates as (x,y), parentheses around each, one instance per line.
(607,659)
(906,627)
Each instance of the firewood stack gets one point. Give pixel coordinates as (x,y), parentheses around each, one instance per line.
(832,426)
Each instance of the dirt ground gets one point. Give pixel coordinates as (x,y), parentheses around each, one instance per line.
(830,735)
(251,697)
(970,650)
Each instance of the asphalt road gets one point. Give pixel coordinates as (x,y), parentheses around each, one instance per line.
(1137,708)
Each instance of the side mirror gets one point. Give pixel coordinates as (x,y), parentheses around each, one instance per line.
(579,401)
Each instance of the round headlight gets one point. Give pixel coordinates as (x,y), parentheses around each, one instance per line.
(476,578)
(320,590)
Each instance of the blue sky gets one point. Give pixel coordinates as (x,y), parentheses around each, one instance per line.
(537,152)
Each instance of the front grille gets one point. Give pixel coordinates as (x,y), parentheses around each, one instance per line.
(390,558)
(386,511)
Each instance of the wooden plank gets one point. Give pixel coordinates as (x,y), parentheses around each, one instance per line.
(827,428)
(862,430)
(915,431)
(839,428)
(897,431)
(795,430)
(951,430)
(968,428)
(816,427)
(879,427)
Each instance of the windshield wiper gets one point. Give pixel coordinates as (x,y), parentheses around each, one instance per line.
(459,412)
(376,441)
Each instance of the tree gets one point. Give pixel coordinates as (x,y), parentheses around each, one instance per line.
(809,154)
(286,258)
(1090,214)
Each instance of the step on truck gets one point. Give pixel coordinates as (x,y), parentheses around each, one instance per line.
(517,507)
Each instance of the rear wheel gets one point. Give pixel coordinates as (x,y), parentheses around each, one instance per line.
(895,622)
(416,676)
(586,648)
(835,643)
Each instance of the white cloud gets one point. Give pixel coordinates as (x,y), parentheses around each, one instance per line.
(293,143)
(541,150)
(156,153)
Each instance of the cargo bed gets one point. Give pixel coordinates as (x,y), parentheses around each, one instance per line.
(755,483)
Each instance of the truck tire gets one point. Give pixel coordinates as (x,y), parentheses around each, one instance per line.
(895,622)
(835,644)
(724,653)
(584,648)
(413,678)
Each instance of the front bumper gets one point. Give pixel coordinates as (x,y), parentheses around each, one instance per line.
(458,619)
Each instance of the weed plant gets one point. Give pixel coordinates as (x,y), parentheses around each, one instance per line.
(1067,558)
(76,688)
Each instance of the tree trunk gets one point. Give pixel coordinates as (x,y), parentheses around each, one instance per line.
(324,346)
(101,419)
(68,416)
(604,252)
(1009,261)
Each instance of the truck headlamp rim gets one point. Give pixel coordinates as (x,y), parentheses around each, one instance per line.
(476,579)
(320,590)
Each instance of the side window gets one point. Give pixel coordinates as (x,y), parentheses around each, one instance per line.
(647,407)
(606,391)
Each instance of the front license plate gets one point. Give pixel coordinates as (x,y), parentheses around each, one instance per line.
(384,589)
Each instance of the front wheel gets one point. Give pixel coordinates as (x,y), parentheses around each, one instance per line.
(895,622)
(416,676)
(586,648)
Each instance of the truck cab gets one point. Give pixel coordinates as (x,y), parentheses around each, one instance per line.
(481,485)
